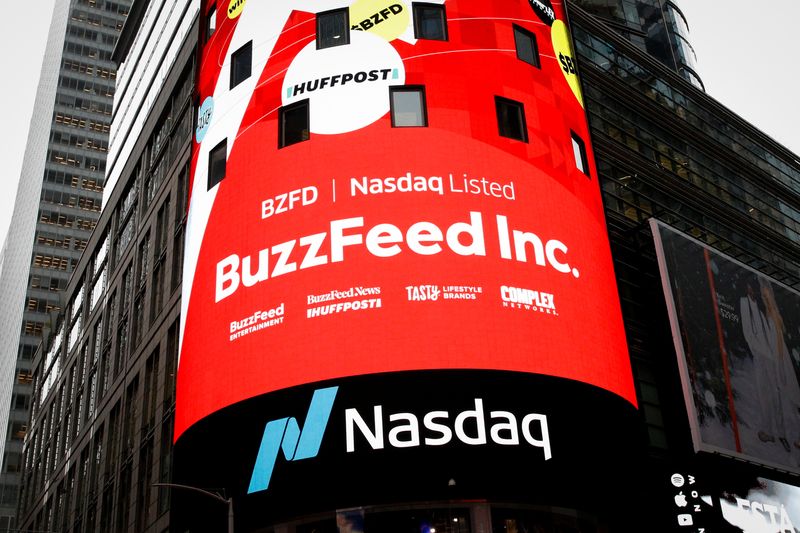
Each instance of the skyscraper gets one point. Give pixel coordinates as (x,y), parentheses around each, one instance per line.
(657,27)
(109,437)
(57,204)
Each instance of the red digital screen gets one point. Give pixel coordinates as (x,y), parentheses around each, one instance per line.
(420,196)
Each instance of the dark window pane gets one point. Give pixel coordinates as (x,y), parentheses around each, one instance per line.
(430,22)
(211,22)
(408,106)
(241,64)
(294,124)
(579,150)
(216,163)
(527,50)
(332,28)
(511,119)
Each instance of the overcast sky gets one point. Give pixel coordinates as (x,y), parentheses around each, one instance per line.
(747,57)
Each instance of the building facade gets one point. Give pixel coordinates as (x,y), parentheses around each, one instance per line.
(668,152)
(105,400)
(57,205)
(657,27)
(101,432)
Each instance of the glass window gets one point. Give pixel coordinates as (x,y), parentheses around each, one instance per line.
(211,22)
(511,119)
(217,159)
(333,28)
(525,43)
(408,106)
(430,21)
(293,124)
(241,64)
(579,150)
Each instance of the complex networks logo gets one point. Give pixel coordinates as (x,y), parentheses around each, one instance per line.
(285,434)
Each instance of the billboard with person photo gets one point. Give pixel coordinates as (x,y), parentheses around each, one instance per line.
(737,334)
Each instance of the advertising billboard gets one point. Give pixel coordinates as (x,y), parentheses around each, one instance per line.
(737,335)
(765,505)
(383,191)
(711,494)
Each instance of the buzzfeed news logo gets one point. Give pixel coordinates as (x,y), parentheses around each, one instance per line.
(373,429)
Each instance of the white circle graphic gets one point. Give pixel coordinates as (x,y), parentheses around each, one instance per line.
(347,85)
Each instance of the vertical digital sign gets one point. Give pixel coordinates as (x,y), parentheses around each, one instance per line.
(384,191)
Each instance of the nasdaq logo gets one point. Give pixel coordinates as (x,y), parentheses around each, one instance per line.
(285,434)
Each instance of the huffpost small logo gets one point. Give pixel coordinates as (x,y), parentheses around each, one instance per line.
(285,434)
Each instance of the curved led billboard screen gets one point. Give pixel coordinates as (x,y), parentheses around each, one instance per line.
(389,188)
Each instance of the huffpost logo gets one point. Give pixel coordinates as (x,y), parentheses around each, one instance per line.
(285,434)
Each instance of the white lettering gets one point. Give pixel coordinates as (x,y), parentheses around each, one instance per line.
(469,427)
(477,414)
(444,431)
(229,277)
(339,240)
(423,232)
(510,426)
(544,441)
(374,438)
(412,428)
(475,231)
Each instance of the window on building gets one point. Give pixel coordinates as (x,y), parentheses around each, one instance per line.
(511,119)
(241,64)
(170,365)
(408,106)
(22,401)
(527,50)
(24,376)
(293,123)
(333,28)
(144,485)
(217,159)
(18,430)
(211,21)
(430,21)
(12,462)
(579,151)
(165,464)
(150,392)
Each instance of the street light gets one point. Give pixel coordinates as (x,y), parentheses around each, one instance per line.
(214,495)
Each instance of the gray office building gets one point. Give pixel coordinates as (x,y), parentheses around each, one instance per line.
(57,205)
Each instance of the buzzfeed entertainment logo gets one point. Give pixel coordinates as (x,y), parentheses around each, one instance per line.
(256,322)
(474,426)
(528,300)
